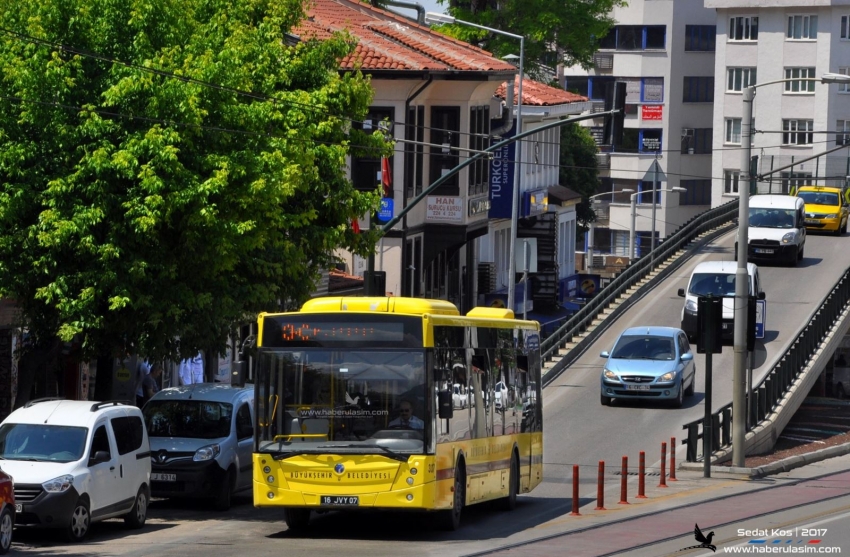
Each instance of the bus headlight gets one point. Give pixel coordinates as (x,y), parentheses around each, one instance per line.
(409,481)
(413,471)
(270,479)
(266,470)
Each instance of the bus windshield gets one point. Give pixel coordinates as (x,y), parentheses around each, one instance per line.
(321,400)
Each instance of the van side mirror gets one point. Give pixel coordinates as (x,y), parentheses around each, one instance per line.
(681,292)
(99,457)
(444,405)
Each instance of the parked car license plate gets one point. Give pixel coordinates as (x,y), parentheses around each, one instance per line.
(812,221)
(19,508)
(340,500)
(157,477)
(637,387)
(762,250)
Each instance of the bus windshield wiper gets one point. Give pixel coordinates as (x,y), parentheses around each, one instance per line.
(391,453)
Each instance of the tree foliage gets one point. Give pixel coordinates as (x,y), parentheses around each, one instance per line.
(579,170)
(170,167)
(555,31)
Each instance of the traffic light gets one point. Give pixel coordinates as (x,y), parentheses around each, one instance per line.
(615,99)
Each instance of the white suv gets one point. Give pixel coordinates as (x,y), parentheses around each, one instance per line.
(77,462)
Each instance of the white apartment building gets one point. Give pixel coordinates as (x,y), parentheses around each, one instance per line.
(768,40)
(664,50)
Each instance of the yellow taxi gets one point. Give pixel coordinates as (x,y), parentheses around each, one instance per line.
(826,208)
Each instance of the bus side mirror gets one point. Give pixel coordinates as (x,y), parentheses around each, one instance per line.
(445,407)
(239,373)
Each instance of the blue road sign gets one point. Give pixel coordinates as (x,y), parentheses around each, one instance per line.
(385,213)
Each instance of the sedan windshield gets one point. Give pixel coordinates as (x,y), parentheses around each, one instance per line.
(193,419)
(40,442)
(643,347)
(819,198)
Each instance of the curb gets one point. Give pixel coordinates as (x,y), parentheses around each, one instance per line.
(784,465)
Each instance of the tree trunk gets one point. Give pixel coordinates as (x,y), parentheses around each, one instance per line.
(103,379)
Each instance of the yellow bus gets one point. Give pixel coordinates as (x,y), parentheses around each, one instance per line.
(395,403)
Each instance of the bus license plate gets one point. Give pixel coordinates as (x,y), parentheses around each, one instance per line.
(340,500)
(19,508)
(637,387)
(760,250)
(155,477)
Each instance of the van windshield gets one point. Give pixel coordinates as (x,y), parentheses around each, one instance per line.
(41,442)
(772,218)
(714,284)
(193,419)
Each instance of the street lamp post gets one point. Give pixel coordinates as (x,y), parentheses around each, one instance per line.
(432,17)
(739,367)
(632,230)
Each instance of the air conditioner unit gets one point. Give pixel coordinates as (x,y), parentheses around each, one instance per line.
(687,132)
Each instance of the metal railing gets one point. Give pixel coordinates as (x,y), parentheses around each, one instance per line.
(775,385)
(630,276)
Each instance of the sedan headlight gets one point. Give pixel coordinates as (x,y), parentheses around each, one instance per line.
(691,305)
(608,374)
(789,238)
(59,485)
(669,376)
(207,453)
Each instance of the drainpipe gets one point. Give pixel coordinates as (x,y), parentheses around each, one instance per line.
(404,194)
(509,119)
(420,9)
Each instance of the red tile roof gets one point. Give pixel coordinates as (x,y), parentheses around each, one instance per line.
(388,41)
(537,94)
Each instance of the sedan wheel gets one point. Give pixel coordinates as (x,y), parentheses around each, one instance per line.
(604,400)
(680,398)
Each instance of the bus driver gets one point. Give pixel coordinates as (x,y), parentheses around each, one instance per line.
(406,419)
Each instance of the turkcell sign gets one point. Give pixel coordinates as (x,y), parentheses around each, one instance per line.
(502,179)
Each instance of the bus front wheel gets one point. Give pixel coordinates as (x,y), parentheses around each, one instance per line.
(297,520)
(450,519)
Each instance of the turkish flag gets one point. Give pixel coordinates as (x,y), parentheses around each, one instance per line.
(386,177)
(355,226)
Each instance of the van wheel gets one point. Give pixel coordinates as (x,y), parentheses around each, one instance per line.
(297,520)
(78,528)
(450,519)
(222,500)
(7,524)
(139,513)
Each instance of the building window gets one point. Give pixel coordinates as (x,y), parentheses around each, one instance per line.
(645,192)
(845,27)
(700,38)
(799,86)
(797,132)
(802,27)
(699,192)
(697,141)
(744,28)
(479,130)
(733,131)
(844,87)
(739,78)
(445,132)
(842,138)
(794,180)
(698,90)
(414,130)
(366,171)
(730,181)
(635,37)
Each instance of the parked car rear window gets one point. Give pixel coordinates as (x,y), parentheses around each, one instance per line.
(194,419)
(40,442)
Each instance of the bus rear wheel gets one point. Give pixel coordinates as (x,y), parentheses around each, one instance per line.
(297,520)
(450,519)
(509,502)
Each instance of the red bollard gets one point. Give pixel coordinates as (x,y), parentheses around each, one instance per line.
(624,475)
(663,463)
(600,488)
(642,476)
(575,491)
(673,459)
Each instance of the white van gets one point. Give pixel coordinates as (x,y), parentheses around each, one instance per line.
(202,439)
(777,229)
(716,278)
(77,462)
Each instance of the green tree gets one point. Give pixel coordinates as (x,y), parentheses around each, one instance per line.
(579,170)
(555,31)
(171,167)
